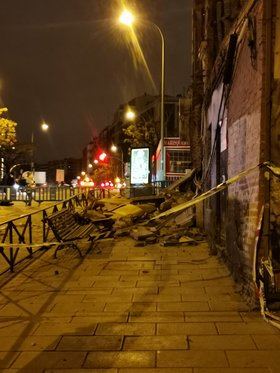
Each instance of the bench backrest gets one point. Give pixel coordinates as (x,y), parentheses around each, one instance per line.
(62,223)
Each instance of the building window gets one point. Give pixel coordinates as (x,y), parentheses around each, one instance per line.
(178,161)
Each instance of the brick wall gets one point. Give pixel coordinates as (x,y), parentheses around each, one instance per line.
(231,219)
(244,149)
(275,138)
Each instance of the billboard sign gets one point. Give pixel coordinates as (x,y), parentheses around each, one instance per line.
(140,165)
(40,177)
(59,178)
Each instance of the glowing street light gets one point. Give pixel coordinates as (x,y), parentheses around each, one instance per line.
(90,165)
(130,115)
(95,161)
(45,126)
(126,18)
(114,148)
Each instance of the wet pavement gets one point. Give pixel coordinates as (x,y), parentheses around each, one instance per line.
(127,309)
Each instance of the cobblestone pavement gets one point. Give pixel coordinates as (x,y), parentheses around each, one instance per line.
(127,309)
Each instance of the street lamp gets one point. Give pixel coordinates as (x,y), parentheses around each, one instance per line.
(115,149)
(130,115)
(44,127)
(127,18)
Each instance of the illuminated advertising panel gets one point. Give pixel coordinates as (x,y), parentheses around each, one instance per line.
(140,165)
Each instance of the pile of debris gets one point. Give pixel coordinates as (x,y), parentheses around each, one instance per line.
(137,216)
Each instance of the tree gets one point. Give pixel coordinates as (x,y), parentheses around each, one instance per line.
(7,132)
(144,131)
(7,141)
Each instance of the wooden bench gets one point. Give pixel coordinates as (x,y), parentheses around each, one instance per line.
(67,229)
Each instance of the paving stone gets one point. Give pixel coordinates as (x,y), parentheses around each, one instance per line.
(267,342)
(221,305)
(252,316)
(157,298)
(155,370)
(91,291)
(12,309)
(212,317)
(221,342)
(208,283)
(129,265)
(90,343)
(184,291)
(125,329)
(110,370)
(148,284)
(246,328)
(13,327)
(186,328)
(73,308)
(183,306)
(121,359)
(107,277)
(134,291)
(129,307)
(231,370)
(258,359)
(100,318)
(156,343)
(156,317)
(191,359)
(107,298)
(35,361)
(53,328)
(28,343)
(6,359)
(220,289)
(119,284)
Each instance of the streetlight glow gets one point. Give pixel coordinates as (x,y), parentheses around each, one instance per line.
(95,161)
(127,18)
(45,126)
(114,148)
(90,165)
(130,115)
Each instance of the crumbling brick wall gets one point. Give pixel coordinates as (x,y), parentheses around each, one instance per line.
(275,137)
(244,149)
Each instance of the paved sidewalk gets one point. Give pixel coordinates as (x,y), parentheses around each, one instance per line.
(126,309)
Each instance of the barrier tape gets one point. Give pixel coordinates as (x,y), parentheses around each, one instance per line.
(209,193)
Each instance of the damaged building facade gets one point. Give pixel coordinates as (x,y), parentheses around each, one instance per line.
(235,113)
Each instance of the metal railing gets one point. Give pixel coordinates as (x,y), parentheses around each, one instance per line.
(29,232)
(56,193)
(51,193)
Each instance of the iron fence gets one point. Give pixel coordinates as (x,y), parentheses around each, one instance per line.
(51,193)
(30,232)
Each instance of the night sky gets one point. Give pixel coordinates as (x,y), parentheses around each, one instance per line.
(68,63)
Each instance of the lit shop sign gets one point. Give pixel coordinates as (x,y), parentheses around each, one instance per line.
(140,161)
(174,141)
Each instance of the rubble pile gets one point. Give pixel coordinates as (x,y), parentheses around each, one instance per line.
(137,217)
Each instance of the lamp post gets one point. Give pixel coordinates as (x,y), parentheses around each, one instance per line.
(115,149)
(127,18)
(44,127)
